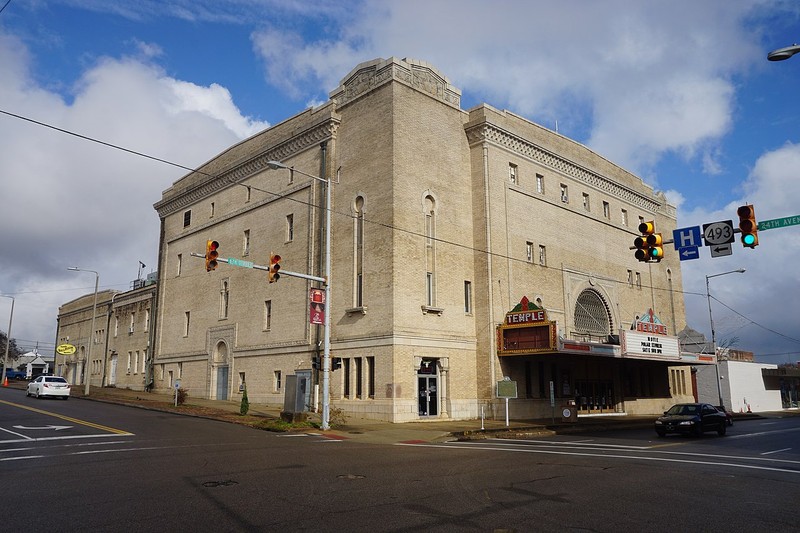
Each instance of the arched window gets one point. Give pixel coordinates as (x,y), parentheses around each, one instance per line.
(592,316)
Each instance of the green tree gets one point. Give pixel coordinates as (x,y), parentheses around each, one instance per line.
(13,351)
(245,406)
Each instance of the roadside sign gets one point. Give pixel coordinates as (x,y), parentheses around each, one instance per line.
(687,237)
(779,223)
(685,254)
(718,233)
(721,249)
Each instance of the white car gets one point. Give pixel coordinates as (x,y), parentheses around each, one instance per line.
(49,386)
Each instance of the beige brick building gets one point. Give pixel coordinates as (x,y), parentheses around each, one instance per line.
(120,354)
(443,221)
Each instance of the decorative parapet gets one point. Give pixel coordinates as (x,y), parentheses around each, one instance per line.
(418,75)
(239,172)
(485,132)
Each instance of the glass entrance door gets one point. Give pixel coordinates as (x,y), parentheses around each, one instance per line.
(428,395)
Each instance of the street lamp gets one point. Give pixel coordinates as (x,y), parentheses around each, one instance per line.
(713,334)
(8,338)
(86,363)
(326,357)
(783,53)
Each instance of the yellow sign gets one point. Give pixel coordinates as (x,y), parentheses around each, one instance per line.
(65,349)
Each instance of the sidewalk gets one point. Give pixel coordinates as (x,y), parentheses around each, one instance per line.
(365,430)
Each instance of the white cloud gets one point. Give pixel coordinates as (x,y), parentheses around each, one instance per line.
(72,202)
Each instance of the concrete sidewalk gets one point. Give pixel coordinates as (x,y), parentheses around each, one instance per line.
(365,430)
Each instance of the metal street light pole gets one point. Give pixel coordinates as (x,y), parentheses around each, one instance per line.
(87,362)
(8,338)
(326,357)
(783,53)
(713,334)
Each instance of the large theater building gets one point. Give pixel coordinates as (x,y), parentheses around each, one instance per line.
(469,247)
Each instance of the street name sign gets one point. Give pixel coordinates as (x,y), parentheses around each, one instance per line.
(778,223)
(718,233)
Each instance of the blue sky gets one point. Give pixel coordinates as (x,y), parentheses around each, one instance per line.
(679,92)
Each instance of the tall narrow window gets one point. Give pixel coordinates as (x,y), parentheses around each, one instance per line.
(358,256)
(468,297)
(186,317)
(529,251)
(542,255)
(371,376)
(289,228)
(564,194)
(246,243)
(224,298)
(512,173)
(430,248)
(187,218)
(267,315)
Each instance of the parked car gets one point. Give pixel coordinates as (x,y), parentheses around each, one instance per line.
(15,374)
(728,415)
(692,418)
(49,386)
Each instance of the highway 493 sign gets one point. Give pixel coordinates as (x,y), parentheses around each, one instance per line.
(718,233)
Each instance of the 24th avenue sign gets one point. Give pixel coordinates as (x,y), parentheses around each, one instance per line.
(779,223)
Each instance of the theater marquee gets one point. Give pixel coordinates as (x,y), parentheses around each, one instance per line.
(526,330)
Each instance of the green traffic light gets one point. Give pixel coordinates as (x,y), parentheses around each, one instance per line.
(748,239)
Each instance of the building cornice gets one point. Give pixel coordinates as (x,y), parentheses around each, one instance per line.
(243,170)
(492,134)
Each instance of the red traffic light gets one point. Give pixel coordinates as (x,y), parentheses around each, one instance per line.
(211,255)
(274,268)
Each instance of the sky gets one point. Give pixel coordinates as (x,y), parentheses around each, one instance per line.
(677,91)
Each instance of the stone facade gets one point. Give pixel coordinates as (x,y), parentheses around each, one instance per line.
(442,220)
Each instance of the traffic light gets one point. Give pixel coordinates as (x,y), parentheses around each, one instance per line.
(748,225)
(656,244)
(336,362)
(642,243)
(274,267)
(211,255)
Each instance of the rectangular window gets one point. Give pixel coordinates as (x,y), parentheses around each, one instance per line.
(512,173)
(468,297)
(359,377)
(371,376)
(246,244)
(542,255)
(186,317)
(346,375)
(564,194)
(187,218)
(267,315)
(276,381)
(606,210)
(179,265)
(289,228)
(624,217)
(539,183)
(529,251)
(586,201)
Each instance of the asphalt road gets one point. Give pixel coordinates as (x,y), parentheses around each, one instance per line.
(80,465)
